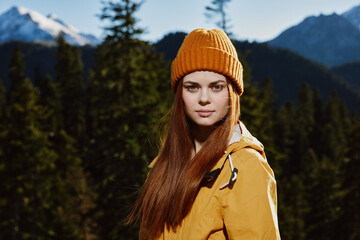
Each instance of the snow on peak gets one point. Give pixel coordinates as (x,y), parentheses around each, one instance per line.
(19,23)
(58,20)
(19,9)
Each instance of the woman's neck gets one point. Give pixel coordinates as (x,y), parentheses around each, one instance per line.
(201,134)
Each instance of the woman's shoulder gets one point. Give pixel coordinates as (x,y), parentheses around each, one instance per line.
(248,154)
(247,158)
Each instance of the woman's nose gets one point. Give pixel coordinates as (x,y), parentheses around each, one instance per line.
(204,97)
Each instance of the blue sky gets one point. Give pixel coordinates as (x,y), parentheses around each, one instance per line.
(258,20)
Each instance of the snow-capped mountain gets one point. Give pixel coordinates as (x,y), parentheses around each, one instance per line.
(329,39)
(353,16)
(19,23)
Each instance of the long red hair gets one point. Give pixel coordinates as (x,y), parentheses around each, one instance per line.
(172,184)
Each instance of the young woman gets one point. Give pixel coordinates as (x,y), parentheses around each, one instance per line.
(211,179)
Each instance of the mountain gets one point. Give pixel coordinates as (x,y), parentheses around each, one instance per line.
(328,39)
(350,72)
(287,70)
(353,16)
(21,24)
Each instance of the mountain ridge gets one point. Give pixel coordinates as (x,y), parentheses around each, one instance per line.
(328,39)
(21,24)
(353,16)
(324,43)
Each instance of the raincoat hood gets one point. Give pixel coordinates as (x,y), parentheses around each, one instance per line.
(241,138)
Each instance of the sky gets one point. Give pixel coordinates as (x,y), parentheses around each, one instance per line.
(252,20)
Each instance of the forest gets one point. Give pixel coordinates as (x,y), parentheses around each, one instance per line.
(74,153)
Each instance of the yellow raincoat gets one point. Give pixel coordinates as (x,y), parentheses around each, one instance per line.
(243,208)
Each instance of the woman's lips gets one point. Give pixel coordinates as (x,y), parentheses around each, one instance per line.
(205,113)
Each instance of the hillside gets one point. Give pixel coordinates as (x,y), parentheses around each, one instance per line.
(350,72)
(38,58)
(287,70)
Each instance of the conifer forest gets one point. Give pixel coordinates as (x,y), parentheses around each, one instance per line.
(74,153)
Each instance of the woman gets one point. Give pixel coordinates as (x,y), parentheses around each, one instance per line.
(211,179)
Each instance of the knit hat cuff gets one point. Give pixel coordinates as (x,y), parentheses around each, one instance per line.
(207,59)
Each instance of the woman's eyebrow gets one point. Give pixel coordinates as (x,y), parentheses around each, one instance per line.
(190,82)
(214,82)
(218,81)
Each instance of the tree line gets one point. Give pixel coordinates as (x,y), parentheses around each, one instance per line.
(73,155)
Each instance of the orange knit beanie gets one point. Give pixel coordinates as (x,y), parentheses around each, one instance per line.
(207,50)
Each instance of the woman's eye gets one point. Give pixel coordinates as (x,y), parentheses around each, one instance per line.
(217,87)
(191,88)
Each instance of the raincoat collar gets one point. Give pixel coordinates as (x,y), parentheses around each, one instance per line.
(236,134)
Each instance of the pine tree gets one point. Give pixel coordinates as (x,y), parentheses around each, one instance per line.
(291,209)
(122,26)
(248,101)
(350,219)
(304,127)
(266,131)
(218,8)
(65,109)
(17,70)
(285,137)
(3,165)
(2,99)
(336,122)
(258,111)
(27,159)
(318,149)
(74,196)
(69,68)
(50,98)
(124,104)
(41,183)
(291,190)
(317,136)
(293,129)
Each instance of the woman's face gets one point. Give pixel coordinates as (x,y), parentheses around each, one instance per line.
(206,97)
